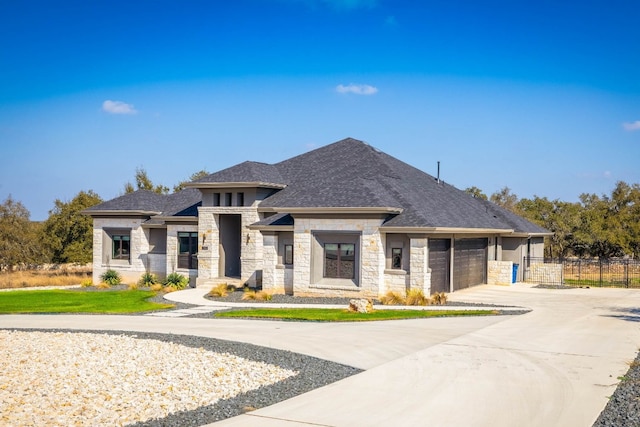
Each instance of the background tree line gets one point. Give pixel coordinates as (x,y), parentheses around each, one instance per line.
(596,226)
(66,236)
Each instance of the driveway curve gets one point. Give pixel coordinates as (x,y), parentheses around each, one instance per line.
(554,366)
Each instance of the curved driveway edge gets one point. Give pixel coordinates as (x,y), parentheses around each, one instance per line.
(553,366)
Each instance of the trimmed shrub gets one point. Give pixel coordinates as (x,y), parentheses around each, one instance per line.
(177,280)
(111,277)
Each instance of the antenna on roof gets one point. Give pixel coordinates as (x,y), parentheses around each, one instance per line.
(438,178)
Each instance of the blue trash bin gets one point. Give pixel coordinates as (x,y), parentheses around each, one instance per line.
(514,277)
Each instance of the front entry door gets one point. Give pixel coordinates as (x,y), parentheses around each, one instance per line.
(230,235)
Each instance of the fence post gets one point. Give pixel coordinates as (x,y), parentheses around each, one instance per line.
(626,273)
(600,262)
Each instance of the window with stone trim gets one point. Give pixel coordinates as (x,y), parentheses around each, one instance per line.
(339,260)
(288,254)
(396,258)
(120,246)
(188,250)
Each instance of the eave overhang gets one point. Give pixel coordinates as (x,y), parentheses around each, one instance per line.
(445,230)
(271,227)
(255,184)
(332,210)
(123,213)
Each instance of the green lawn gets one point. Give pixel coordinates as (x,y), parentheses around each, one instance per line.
(340,315)
(64,301)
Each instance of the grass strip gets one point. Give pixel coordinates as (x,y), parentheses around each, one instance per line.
(340,315)
(64,301)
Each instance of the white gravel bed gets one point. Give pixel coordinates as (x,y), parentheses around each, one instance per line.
(85,379)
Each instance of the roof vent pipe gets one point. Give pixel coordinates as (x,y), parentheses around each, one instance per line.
(438,179)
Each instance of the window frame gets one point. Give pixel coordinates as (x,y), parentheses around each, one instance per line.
(191,255)
(339,260)
(287,254)
(120,237)
(394,265)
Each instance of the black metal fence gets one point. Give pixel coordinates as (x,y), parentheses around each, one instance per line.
(612,272)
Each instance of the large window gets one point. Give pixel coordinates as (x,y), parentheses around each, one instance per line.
(121,246)
(188,250)
(339,260)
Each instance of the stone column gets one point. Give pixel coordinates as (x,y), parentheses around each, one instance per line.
(419,273)
(270,260)
(208,245)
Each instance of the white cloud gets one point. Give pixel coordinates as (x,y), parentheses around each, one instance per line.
(118,107)
(632,126)
(357,89)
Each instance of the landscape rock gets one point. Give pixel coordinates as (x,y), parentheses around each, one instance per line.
(360,305)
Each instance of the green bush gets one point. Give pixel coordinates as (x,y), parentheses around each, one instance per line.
(111,277)
(147,279)
(176,280)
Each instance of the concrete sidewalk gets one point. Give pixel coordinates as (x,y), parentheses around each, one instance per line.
(554,366)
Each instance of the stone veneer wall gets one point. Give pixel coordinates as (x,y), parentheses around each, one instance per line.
(139,247)
(172,251)
(372,261)
(419,271)
(396,281)
(251,253)
(499,272)
(544,274)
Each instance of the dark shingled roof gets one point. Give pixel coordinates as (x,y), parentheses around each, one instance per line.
(246,172)
(141,200)
(345,174)
(182,203)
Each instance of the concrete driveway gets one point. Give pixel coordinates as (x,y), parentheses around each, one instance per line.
(554,366)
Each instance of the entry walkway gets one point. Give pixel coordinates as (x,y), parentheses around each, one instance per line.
(554,366)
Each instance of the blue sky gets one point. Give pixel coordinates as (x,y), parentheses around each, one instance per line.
(538,96)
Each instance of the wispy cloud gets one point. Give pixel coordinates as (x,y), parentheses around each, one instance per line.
(118,107)
(357,89)
(632,126)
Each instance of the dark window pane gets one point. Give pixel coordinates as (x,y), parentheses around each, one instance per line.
(396,258)
(120,246)
(187,250)
(339,260)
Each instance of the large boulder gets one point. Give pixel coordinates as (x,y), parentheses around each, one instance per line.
(360,305)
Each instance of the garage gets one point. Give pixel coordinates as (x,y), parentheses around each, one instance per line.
(439,263)
(469,263)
